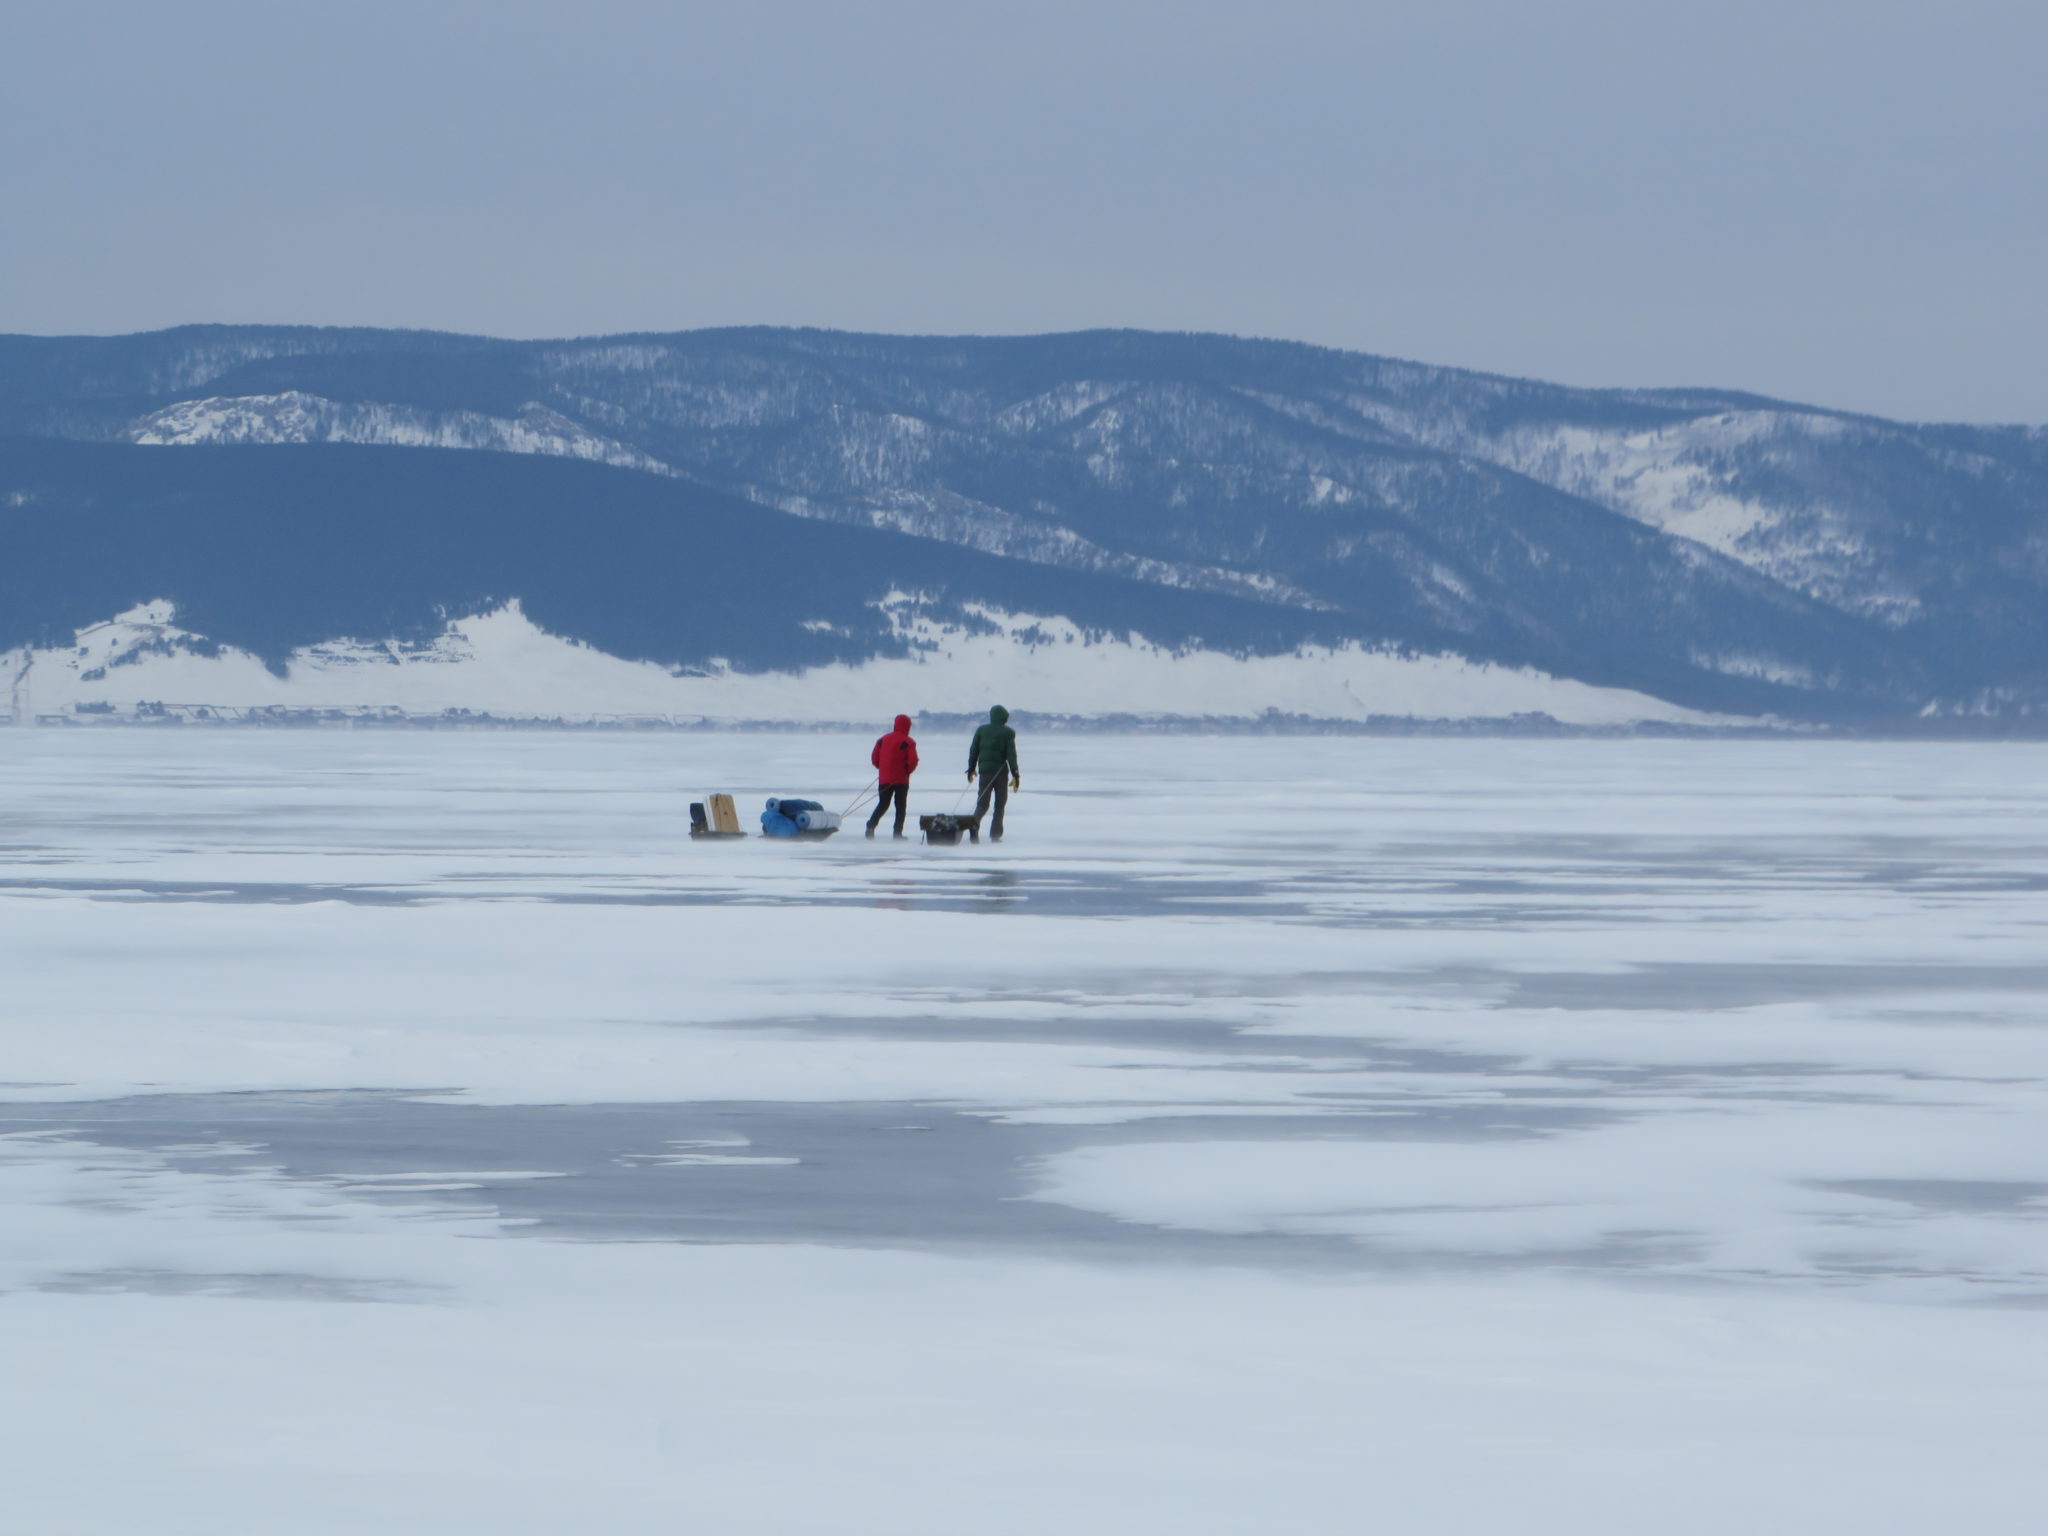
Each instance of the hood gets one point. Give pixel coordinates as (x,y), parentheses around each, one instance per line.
(998,715)
(903,725)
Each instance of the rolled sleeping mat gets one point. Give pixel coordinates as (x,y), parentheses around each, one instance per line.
(774,824)
(791,807)
(820,820)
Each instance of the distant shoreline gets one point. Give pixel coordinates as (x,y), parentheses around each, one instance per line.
(1518,727)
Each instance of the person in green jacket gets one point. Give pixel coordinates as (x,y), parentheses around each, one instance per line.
(993,755)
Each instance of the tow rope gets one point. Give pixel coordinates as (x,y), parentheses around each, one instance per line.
(858,799)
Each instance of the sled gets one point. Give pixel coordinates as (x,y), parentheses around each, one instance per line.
(943,831)
(717,819)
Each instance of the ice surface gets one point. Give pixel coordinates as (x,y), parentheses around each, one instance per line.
(419,1132)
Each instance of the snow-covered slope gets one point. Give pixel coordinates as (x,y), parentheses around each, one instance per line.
(141,664)
(293,417)
(1728,481)
(285,550)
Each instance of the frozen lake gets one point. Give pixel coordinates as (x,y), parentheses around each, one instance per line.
(419,1133)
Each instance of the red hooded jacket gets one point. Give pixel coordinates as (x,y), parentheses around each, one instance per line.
(895,755)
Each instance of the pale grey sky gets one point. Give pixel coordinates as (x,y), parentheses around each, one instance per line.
(1833,200)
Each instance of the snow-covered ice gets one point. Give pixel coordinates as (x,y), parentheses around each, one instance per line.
(418,1132)
(504,665)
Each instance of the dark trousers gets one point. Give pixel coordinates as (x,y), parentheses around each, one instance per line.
(998,785)
(901,792)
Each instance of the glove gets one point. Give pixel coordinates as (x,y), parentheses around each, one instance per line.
(1016,781)
(970,775)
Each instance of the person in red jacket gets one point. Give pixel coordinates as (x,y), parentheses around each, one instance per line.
(895,760)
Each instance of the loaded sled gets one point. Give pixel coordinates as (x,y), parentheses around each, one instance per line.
(944,830)
(714,816)
(803,819)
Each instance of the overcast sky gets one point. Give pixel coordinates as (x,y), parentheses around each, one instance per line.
(1833,200)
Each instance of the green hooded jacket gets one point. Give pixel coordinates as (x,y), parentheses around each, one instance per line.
(994,747)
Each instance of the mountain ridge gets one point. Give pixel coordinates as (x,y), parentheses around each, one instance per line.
(1692,543)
